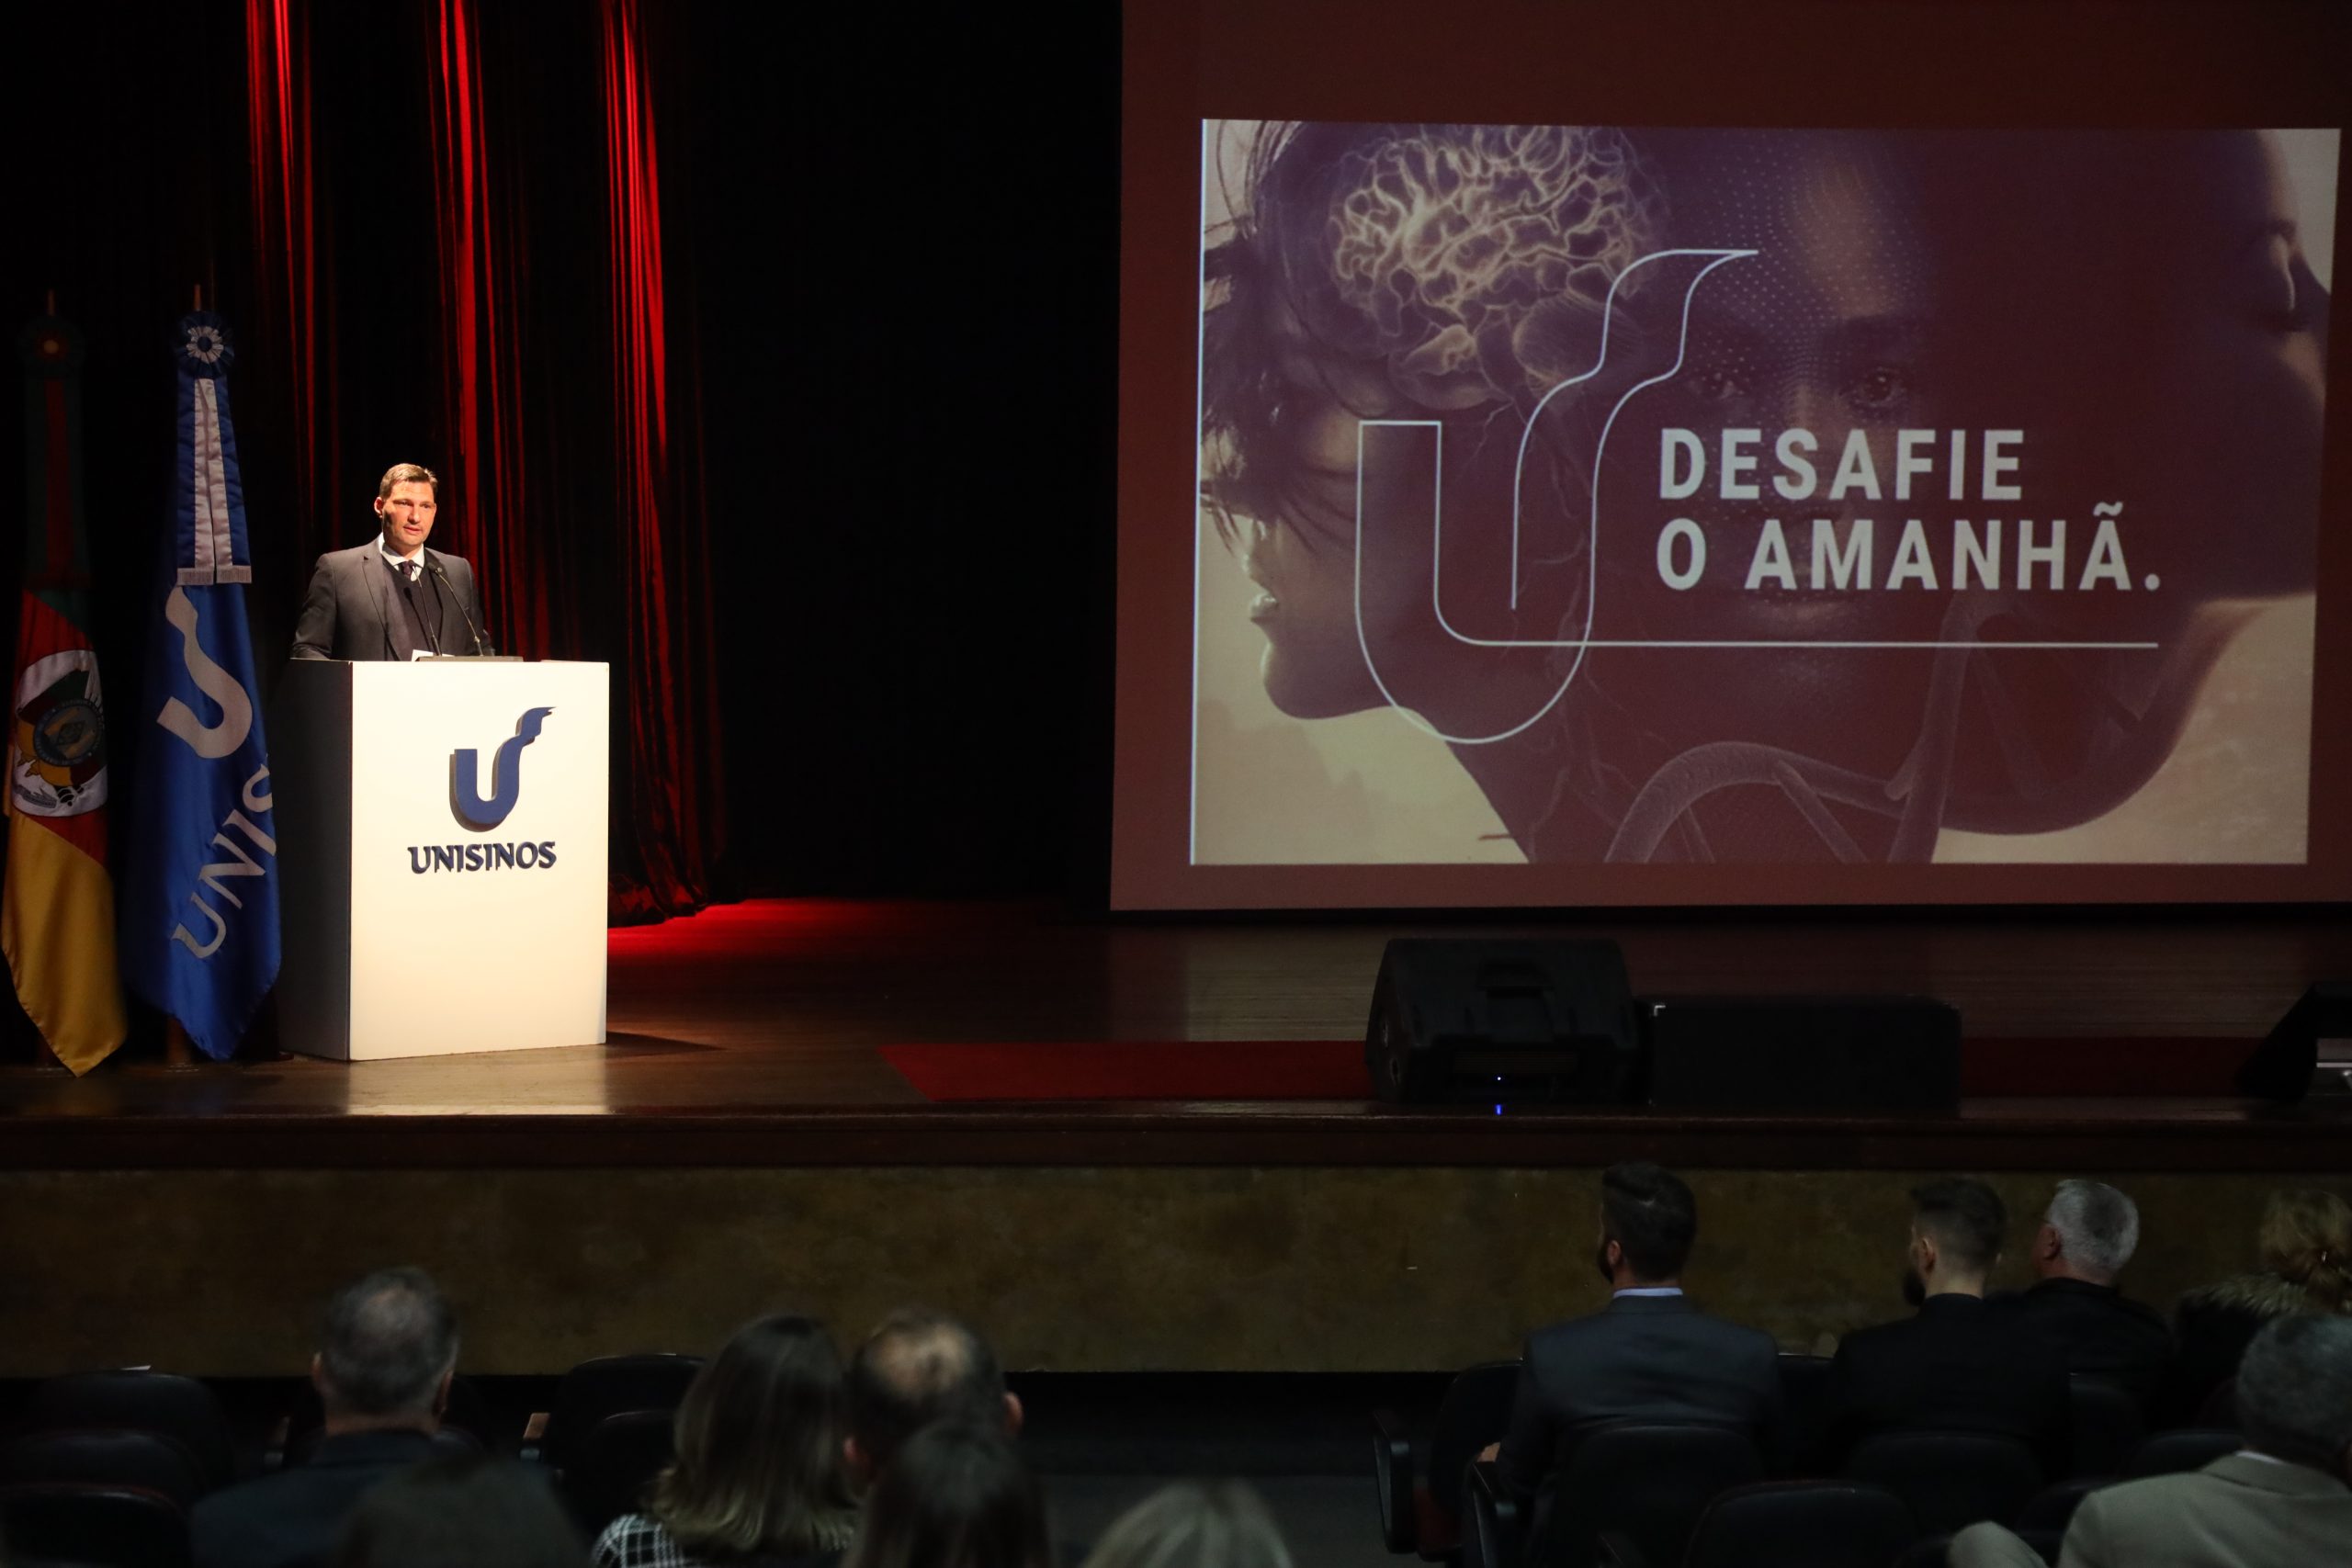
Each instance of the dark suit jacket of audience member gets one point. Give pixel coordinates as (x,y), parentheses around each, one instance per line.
(1645,1358)
(2213,1325)
(1960,1365)
(2099,1333)
(292,1519)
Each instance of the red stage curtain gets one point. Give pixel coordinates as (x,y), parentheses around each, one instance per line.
(292,282)
(477,241)
(567,438)
(665,559)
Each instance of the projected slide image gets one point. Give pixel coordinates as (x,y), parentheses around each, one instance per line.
(1593,495)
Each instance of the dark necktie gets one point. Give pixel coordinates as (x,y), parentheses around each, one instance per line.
(418,635)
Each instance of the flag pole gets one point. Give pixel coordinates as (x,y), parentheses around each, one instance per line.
(179,1051)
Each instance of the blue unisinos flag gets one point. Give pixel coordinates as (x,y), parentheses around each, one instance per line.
(200,928)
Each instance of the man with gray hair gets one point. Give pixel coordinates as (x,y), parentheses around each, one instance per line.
(2281,1501)
(2088,1235)
(389,1350)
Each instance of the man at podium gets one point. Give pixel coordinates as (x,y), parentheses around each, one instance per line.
(391,598)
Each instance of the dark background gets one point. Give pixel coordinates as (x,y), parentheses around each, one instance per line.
(891,244)
(909,240)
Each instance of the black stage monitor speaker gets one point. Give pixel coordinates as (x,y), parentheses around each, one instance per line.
(1470,1021)
(1803,1052)
(2286,1066)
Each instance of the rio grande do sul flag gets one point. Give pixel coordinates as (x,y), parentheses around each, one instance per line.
(57,903)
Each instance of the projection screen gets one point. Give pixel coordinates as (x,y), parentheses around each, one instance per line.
(1602,509)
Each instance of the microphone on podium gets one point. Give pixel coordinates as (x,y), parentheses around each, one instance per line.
(481,649)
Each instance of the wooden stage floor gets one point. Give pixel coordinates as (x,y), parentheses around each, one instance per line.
(748,1036)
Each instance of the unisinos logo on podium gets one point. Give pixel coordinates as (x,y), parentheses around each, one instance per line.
(466,803)
(472,811)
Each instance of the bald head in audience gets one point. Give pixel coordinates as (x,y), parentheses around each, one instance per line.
(917,1367)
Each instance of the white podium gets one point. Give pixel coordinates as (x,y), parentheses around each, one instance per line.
(442,833)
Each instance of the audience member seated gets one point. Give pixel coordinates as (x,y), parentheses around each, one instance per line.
(469,1511)
(1959,1365)
(383,1371)
(917,1367)
(2281,1501)
(956,1494)
(1650,1355)
(1193,1526)
(2088,1235)
(761,1475)
(2306,1250)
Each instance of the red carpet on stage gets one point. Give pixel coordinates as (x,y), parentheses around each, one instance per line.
(1993,1069)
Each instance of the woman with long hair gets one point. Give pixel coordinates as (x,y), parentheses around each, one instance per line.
(759,1476)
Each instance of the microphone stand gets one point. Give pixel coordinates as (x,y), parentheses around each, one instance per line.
(480,649)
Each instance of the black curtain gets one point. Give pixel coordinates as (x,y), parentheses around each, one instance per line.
(907,241)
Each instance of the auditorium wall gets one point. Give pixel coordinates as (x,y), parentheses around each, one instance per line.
(1295,1270)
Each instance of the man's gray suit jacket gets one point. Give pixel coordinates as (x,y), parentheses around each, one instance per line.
(2237,1512)
(349,612)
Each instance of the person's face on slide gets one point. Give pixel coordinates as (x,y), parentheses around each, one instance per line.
(406,515)
(2234,414)
(1828,330)
(1328,616)
(1825,330)
(1305,568)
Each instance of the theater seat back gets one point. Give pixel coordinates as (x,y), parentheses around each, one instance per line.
(146,1461)
(1647,1481)
(611,1385)
(96,1526)
(1802,1524)
(2183,1449)
(612,1466)
(1475,1412)
(1949,1480)
(177,1407)
(2108,1426)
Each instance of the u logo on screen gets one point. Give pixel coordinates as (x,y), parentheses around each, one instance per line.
(466,802)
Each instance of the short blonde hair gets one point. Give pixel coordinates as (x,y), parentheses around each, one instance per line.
(406,474)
